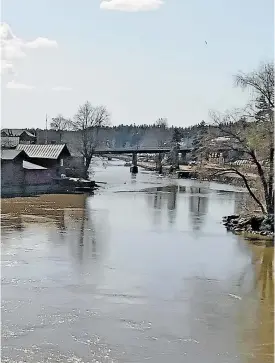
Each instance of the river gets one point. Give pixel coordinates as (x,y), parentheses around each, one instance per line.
(142,271)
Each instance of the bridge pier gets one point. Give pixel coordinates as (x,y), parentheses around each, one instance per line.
(175,157)
(134,167)
(183,158)
(159,165)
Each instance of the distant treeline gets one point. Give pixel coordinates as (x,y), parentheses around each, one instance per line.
(133,135)
(134,129)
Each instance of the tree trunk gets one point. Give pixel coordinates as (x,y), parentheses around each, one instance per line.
(87,165)
(261,174)
(270,206)
(250,191)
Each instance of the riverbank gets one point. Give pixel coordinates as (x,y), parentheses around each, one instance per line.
(220,174)
(56,186)
(165,168)
(251,226)
(205,173)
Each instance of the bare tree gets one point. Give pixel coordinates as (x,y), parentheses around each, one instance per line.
(88,120)
(161,123)
(260,81)
(162,140)
(253,133)
(60,124)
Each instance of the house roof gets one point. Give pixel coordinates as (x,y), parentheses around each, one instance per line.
(11,154)
(9,141)
(17,132)
(31,166)
(49,151)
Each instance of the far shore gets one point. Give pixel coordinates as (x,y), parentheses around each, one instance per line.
(204,173)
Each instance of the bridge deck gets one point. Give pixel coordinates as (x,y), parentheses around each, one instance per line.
(139,150)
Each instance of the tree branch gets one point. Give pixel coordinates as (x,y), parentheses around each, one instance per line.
(245,182)
(261,173)
(271,176)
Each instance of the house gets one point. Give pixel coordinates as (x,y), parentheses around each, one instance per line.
(224,149)
(12,171)
(36,175)
(25,137)
(20,177)
(9,142)
(53,156)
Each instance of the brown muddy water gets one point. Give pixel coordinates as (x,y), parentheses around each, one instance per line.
(142,271)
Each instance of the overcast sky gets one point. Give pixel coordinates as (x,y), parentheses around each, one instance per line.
(143,59)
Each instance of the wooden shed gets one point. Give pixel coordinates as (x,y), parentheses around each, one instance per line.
(50,156)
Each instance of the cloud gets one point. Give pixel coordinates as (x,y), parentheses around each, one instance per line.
(41,43)
(6,68)
(11,46)
(14,48)
(131,5)
(61,88)
(19,86)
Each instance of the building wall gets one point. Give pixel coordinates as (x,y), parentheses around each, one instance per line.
(46,163)
(26,139)
(12,172)
(53,164)
(38,177)
(17,181)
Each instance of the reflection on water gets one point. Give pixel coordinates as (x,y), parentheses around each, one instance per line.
(257,318)
(198,206)
(18,212)
(64,219)
(265,281)
(164,198)
(93,279)
(133,178)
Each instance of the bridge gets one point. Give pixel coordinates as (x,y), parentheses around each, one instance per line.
(139,150)
(144,150)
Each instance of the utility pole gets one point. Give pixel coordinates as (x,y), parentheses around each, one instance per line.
(46,139)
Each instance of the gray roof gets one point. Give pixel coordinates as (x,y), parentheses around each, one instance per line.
(10,154)
(49,151)
(31,166)
(17,132)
